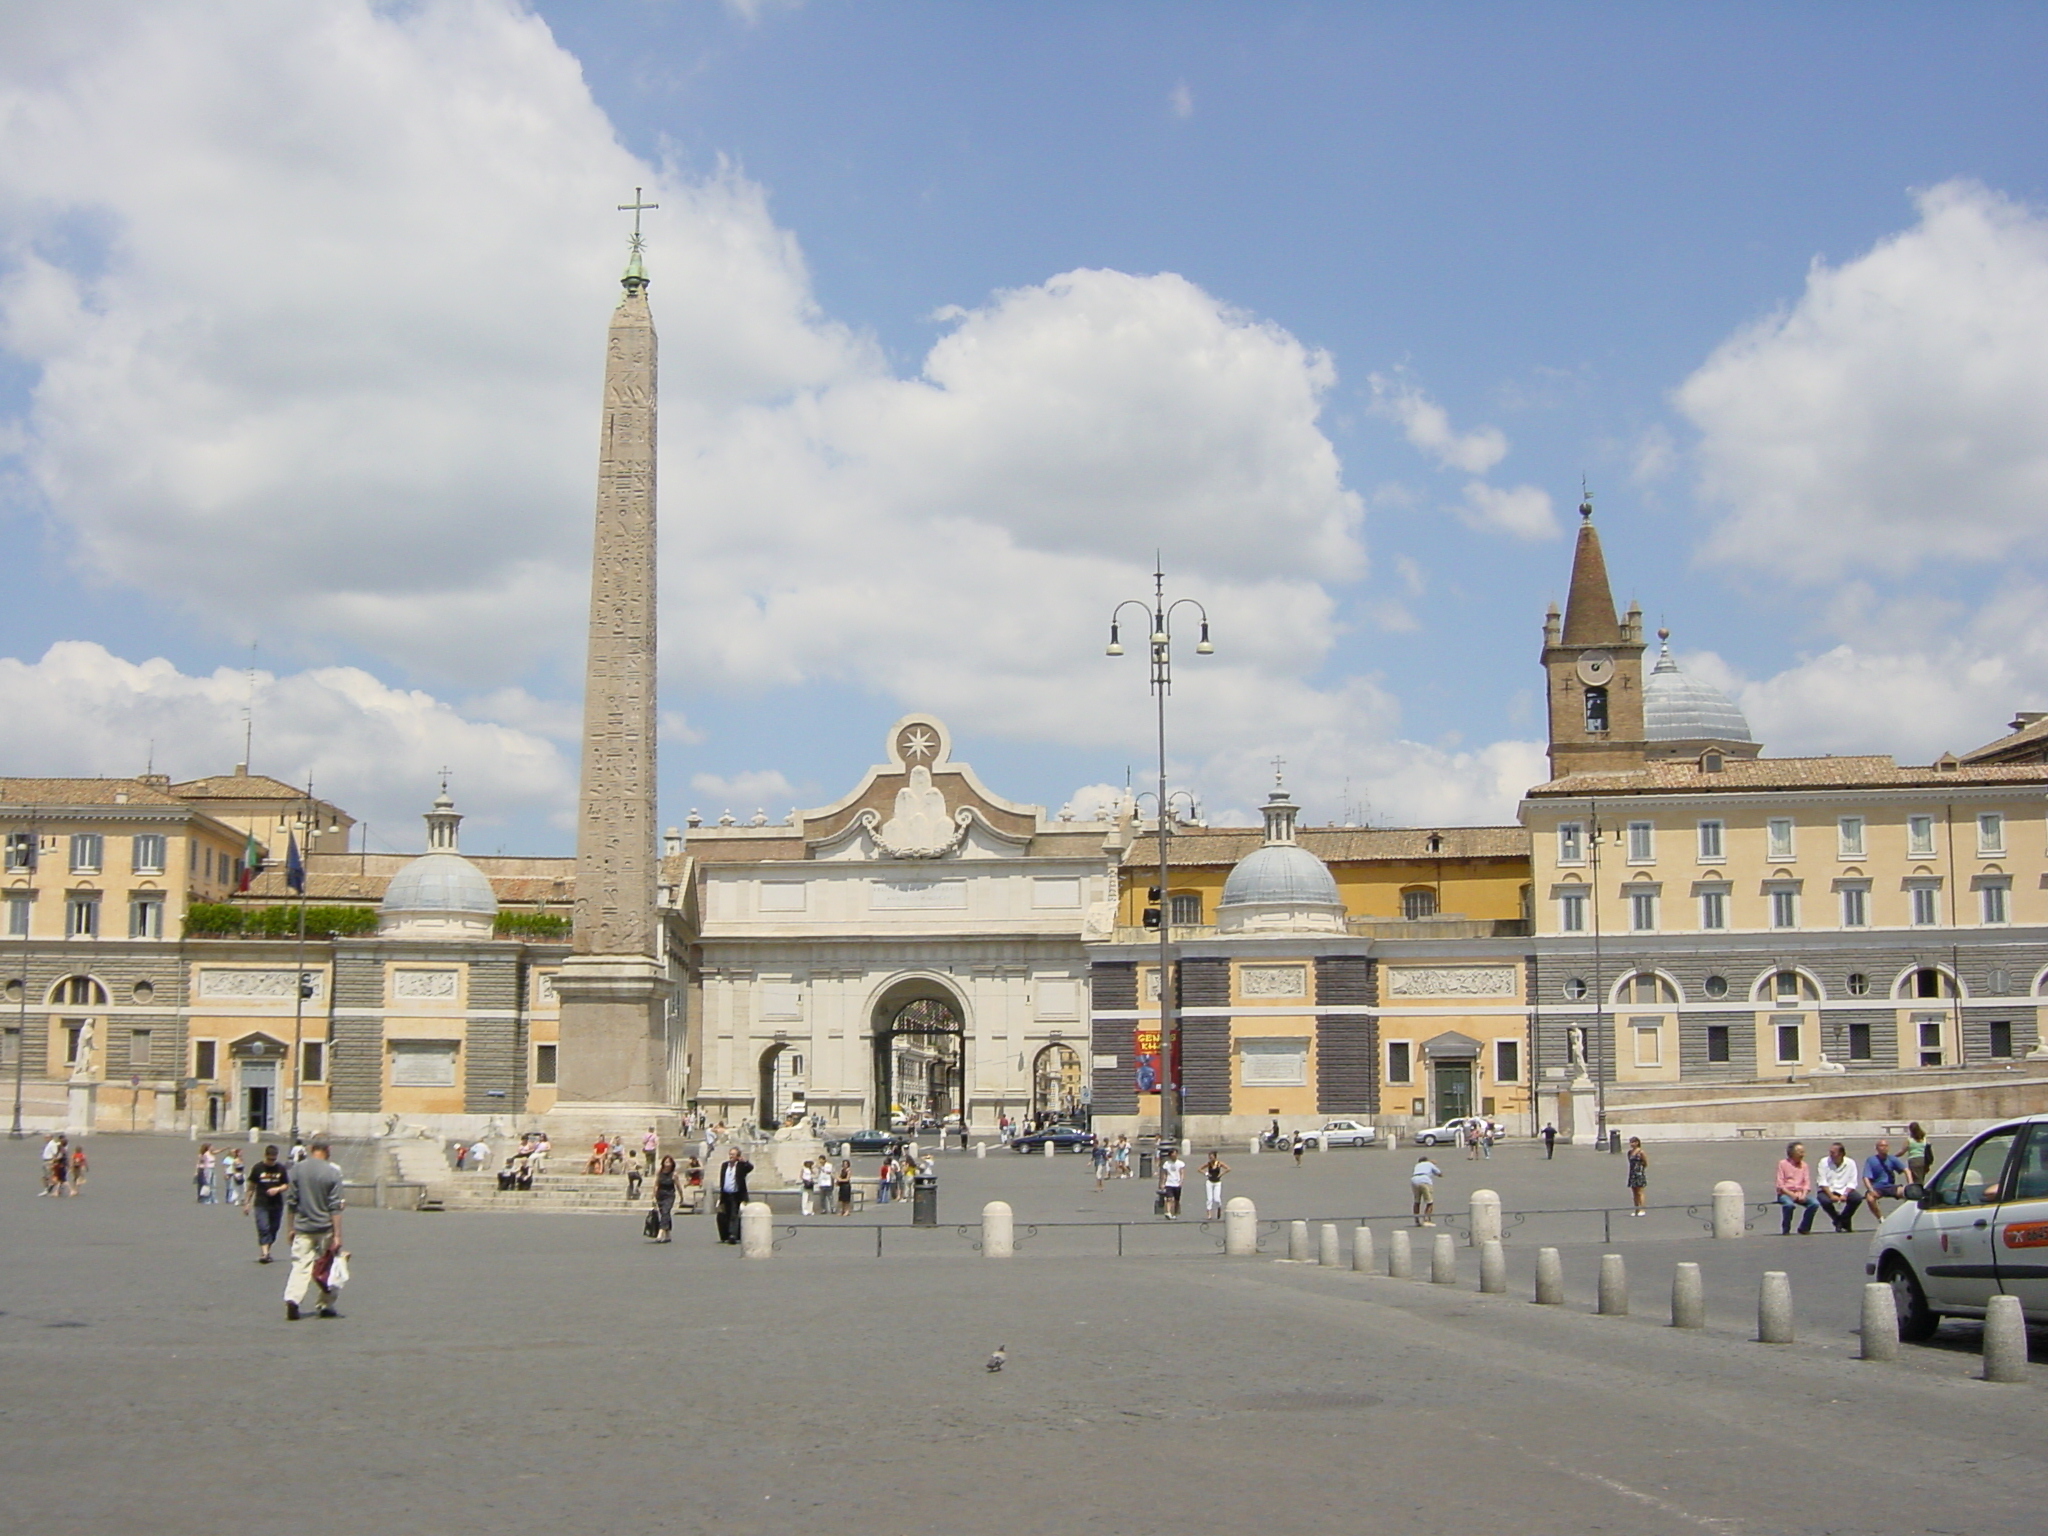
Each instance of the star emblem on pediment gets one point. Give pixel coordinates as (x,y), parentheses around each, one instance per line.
(919,743)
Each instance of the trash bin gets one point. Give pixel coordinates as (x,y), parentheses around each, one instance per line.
(924,1200)
(1614,1141)
(1144,1165)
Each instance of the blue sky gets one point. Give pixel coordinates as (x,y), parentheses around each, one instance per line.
(967,309)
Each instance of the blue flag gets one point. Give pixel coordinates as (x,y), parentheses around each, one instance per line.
(294,867)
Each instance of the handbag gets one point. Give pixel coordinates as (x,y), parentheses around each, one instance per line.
(652,1226)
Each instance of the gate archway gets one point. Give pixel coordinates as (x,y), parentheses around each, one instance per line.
(920,1063)
(1056,1084)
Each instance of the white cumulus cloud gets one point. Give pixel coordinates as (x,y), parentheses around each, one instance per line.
(1897,413)
(1524,511)
(1427,426)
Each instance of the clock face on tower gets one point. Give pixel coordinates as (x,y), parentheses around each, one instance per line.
(1595,669)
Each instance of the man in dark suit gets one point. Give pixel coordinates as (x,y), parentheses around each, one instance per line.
(732,1194)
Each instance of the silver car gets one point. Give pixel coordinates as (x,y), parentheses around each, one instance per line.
(1978,1228)
(1341,1133)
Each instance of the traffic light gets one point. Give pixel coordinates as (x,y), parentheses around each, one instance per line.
(1151,917)
(1152,895)
(305,984)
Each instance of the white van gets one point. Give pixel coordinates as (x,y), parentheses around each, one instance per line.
(1978,1228)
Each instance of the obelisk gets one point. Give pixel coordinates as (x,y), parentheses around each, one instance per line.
(613,1057)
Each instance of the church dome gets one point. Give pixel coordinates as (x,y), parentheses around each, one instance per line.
(1280,872)
(1280,887)
(1681,708)
(441,882)
(440,893)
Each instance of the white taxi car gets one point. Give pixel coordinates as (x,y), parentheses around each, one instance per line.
(1978,1228)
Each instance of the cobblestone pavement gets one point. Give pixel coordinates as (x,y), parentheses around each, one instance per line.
(556,1374)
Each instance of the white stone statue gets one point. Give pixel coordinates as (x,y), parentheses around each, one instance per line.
(81,1066)
(1575,1041)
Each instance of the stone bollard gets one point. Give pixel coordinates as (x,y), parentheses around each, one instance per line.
(1328,1252)
(1240,1228)
(1485,1216)
(1728,1209)
(1493,1267)
(1613,1300)
(998,1230)
(1880,1328)
(1443,1260)
(1393,1140)
(1361,1250)
(981,1149)
(1297,1242)
(1255,1146)
(1050,1148)
(1549,1278)
(1774,1308)
(2005,1340)
(1400,1256)
(757,1230)
(1688,1297)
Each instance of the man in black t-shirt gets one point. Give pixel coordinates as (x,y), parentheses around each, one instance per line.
(268,1181)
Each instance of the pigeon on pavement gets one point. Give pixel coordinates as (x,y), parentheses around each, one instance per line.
(997,1360)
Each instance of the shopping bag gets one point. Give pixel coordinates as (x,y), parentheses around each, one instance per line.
(652,1228)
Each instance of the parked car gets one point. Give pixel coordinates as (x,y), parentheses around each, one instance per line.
(1341,1133)
(1064,1137)
(854,1143)
(1978,1228)
(1449,1131)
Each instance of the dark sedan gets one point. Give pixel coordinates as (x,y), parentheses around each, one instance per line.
(1064,1137)
(855,1143)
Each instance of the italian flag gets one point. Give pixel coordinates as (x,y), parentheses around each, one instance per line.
(252,863)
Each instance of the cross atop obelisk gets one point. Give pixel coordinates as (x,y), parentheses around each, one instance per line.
(614,987)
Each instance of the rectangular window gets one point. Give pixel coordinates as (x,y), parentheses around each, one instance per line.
(1571,912)
(1859,1042)
(1571,842)
(1642,911)
(1649,1035)
(1507,1061)
(138,1049)
(1779,838)
(422,1063)
(148,853)
(1855,906)
(544,1066)
(1991,902)
(1920,837)
(313,1061)
(18,909)
(21,852)
(1788,1042)
(203,1059)
(2001,1037)
(1710,842)
(1186,910)
(1398,1062)
(146,917)
(1991,833)
(10,1045)
(82,916)
(1713,909)
(1927,1030)
(1642,842)
(1784,908)
(86,852)
(1849,837)
(1926,905)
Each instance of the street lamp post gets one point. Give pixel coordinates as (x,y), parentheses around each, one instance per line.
(1159,613)
(1599,1040)
(28,915)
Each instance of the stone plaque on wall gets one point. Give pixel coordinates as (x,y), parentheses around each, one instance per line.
(917,895)
(1451,981)
(217,982)
(1272,981)
(437,986)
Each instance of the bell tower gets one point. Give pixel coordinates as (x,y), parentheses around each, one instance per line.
(1594,664)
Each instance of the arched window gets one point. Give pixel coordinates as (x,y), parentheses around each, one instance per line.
(1646,987)
(1787,989)
(1418,901)
(1927,981)
(78,992)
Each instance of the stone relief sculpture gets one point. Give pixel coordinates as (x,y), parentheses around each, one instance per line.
(919,827)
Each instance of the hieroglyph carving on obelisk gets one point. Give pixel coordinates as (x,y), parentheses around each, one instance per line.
(615,843)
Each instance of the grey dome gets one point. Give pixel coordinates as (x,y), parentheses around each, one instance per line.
(1281,874)
(1681,708)
(440,882)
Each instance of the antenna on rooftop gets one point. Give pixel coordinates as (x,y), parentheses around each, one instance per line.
(249,710)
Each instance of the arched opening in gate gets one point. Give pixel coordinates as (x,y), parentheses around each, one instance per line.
(782,1095)
(1056,1085)
(920,1061)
